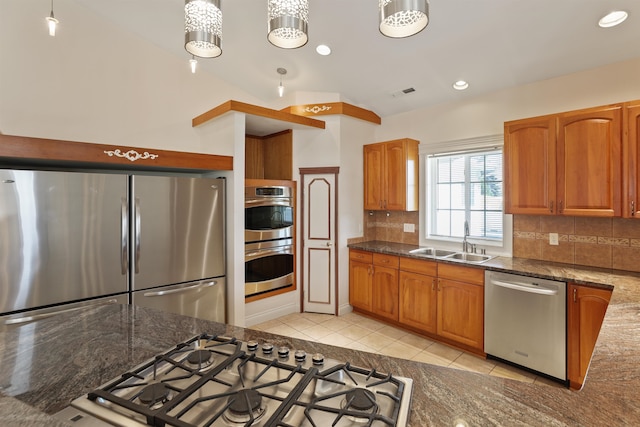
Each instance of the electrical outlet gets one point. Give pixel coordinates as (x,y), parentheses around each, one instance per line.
(409,228)
(553,239)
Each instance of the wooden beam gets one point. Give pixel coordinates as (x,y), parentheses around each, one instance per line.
(331,108)
(24,148)
(256,110)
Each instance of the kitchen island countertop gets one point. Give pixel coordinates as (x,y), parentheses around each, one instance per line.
(48,363)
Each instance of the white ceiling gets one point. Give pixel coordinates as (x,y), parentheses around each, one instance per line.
(493,44)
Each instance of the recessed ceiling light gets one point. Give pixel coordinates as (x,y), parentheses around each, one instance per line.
(323,49)
(612,19)
(460,85)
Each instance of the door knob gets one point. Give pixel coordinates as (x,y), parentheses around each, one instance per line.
(329,244)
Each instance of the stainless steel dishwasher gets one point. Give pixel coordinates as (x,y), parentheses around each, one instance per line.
(525,322)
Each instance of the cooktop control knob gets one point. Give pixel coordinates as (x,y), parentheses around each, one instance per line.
(267,348)
(318,359)
(300,355)
(283,352)
(252,345)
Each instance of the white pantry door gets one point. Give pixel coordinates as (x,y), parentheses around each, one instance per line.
(319,240)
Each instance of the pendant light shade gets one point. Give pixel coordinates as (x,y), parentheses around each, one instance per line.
(287,23)
(203,28)
(403,18)
(52,22)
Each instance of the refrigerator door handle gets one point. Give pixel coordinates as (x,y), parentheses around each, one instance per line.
(27,319)
(124,233)
(180,290)
(137,260)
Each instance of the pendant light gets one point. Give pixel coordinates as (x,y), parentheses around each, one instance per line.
(287,23)
(403,18)
(282,72)
(52,22)
(203,28)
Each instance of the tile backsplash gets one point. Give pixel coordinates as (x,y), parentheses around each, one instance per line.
(598,242)
(389,226)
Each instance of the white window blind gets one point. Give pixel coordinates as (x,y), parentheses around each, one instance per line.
(466,186)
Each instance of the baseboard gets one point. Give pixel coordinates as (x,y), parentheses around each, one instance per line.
(266,315)
(344,309)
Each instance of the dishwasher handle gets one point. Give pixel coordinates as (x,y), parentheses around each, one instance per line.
(525,287)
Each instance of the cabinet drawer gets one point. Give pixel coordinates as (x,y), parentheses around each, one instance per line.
(383,260)
(430,268)
(360,256)
(461,273)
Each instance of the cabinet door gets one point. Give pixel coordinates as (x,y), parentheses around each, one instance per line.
(586,308)
(461,312)
(631,204)
(395,175)
(530,166)
(589,163)
(418,301)
(384,294)
(373,176)
(360,284)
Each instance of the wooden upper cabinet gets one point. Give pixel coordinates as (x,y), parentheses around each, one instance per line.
(391,175)
(631,161)
(530,170)
(373,176)
(565,164)
(589,162)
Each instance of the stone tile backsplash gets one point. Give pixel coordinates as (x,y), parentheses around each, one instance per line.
(599,242)
(389,226)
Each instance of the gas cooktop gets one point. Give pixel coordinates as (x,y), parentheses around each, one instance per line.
(220,381)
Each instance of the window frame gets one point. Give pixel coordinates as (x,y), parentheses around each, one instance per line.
(484,143)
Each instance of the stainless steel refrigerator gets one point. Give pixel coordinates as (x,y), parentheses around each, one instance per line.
(71,239)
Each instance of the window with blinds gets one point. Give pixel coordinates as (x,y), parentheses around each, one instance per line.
(466,187)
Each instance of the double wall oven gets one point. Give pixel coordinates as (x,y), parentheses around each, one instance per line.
(269,255)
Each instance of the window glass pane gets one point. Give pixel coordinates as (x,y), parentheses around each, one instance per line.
(494,196)
(457,169)
(457,223)
(494,225)
(494,167)
(476,196)
(444,196)
(476,168)
(477,224)
(457,196)
(444,169)
(443,223)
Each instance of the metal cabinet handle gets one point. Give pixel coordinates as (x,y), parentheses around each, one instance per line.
(137,219)
(180,290)
(560,209)
(124,236)
(633,208)
(551,206)
(433,284)
(27,319)
(439,285)
(575,295)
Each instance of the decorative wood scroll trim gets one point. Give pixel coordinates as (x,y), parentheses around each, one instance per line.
(330,108)
(53,150)
(256,110)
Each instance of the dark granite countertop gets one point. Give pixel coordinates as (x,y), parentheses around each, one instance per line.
(48,363)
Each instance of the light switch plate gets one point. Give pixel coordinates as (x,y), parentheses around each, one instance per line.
(553,239)
(409,228)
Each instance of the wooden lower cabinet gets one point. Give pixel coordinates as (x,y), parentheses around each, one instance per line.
(384,292)
(586,307)
(415,294)
(418,301)
(461,312)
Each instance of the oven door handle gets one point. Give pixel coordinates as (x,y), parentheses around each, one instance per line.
(252,203)
(261,253)
(524,287)
(180,290)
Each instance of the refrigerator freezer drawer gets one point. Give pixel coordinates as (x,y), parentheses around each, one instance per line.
(204,299)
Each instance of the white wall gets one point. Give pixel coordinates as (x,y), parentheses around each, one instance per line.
(485,115)
(94,82)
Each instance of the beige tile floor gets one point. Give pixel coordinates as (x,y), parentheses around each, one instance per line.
(362,333)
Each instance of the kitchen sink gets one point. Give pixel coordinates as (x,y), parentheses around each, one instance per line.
(432,252)
(468,257)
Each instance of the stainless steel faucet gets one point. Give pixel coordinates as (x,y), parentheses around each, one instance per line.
(465,244)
